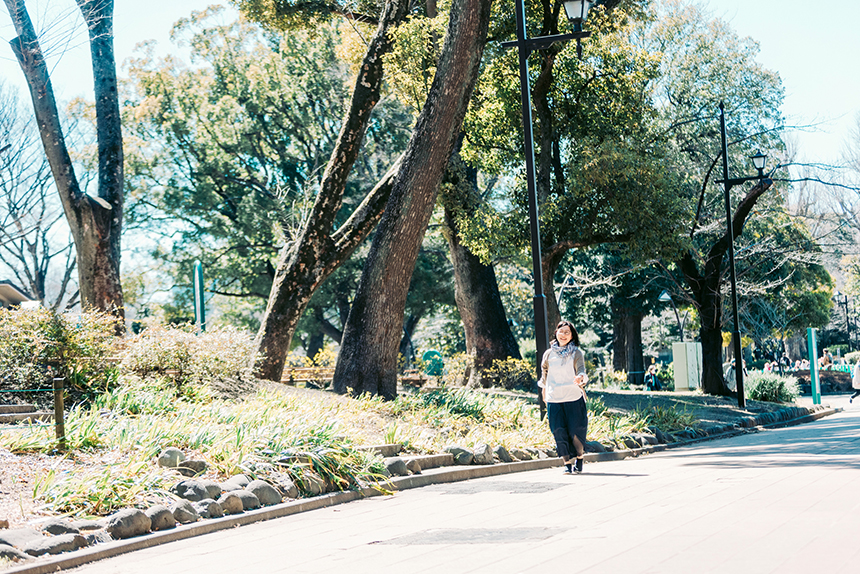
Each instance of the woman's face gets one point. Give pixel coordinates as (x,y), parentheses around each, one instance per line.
(563,335)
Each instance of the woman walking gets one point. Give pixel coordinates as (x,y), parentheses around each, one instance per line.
(563,383)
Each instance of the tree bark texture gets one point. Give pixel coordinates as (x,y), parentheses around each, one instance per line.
(317,252)
(476,290)
(96,229)
(705,288)
(368,355)
(635,360)
(619,340)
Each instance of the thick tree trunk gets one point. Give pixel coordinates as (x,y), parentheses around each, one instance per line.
(368,355)
(476,290)
(635,361)
(96,225)
(316,253)
(619,340)
(705,288)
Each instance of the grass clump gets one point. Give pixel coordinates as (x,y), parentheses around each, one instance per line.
(666,419)
(770,387)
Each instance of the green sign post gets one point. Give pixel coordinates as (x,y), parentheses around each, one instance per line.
(813,366)
(199,302)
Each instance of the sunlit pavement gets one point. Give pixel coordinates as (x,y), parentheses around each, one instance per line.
(785,500)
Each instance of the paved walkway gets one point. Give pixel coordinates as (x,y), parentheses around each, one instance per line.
(784,501)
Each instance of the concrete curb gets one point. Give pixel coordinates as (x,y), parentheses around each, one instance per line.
(426,478)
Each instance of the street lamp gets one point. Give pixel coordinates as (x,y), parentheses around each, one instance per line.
(759,161)
(847,320)
(665,296)
(577,12)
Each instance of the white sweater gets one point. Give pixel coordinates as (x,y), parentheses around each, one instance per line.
(558,375)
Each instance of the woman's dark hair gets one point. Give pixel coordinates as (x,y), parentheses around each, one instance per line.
(574,339)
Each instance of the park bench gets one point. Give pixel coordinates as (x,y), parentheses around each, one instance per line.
(318,375)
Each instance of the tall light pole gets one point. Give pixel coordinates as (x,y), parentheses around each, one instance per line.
(759,160)
(847,319)
(577,12)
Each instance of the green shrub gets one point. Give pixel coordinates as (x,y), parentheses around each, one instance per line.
(218,355)
(666,376)
(454,371)
(761,386)
(512,374)
(38,344)
(852,357)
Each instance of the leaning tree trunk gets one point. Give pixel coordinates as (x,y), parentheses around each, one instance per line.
(476,290)
(96,224)
(317,252)
(368,357)
(705,288)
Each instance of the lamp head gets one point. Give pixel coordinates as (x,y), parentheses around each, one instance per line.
(759,160)
(577,12)
(664,296)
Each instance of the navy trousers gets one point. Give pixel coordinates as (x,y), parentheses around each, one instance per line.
(566,421)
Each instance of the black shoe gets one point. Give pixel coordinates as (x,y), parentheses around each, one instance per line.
(578,466)
(567,469)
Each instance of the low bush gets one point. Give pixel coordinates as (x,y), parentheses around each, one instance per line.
(39,344)
(512,374)
(762,386)
(216,356)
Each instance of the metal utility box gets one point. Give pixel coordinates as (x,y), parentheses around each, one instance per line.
(687,359)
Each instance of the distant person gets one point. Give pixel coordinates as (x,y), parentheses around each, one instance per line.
(768,368)
(652,382)
(784,363)
(855,382)
(731,376)
(563,382)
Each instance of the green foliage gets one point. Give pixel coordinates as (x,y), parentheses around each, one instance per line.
(219,354)
(512,374)
(763,386)
(666,419)
(38,344)
(666,376)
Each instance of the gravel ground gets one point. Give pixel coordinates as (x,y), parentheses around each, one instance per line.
(20,473)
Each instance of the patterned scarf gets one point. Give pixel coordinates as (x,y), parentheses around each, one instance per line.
(563,352)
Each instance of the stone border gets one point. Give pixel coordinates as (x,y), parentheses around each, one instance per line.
(428,477)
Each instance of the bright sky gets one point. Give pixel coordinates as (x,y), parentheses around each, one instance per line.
(813,46)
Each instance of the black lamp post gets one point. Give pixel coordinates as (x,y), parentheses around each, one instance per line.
(577,12)
(836,296)
(759,160)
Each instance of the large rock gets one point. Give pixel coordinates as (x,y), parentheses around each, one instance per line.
(160,518)
(185,513)
(170,457)
(236,482)
(285,485)
(55,544)
(483,454)
(57,526)
(248,498)
(19,537)
(87,525)
(413,466)
(208,508)
(265,492)
(193,490)
(312,483)
(520,454)
(230,503)
(11,553)
(462,455)
(213,489)
(396,466)
(502,454)
(594,446)
(192,468)
(97,537)
(127,523)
